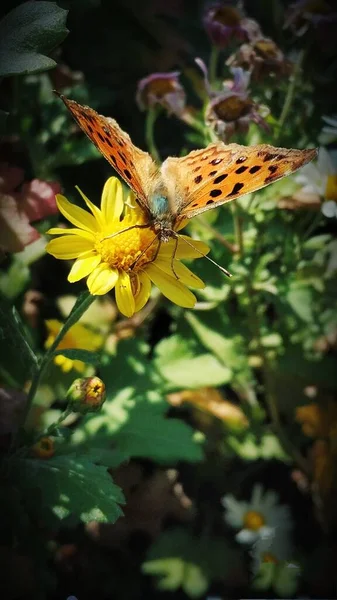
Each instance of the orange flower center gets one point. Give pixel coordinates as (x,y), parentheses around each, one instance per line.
(159,88)
(128,250)
(227,15)
(267,557)
(267,49)
(253,520)
(232,108)
(331,188)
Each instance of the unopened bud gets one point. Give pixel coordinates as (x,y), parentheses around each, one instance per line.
(44,448)
(86,394)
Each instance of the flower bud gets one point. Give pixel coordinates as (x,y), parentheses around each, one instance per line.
(44,448)
(86,394)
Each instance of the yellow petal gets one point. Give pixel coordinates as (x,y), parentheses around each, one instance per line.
(124,296)
(112,200)
(102,280)
(94,209)
(83,266)
(170,287)
(68,246)
(184,249)
(59,231)
(185,276)
(143,291)
(76,215)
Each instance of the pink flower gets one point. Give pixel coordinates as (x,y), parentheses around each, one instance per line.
(231,110)
(164,89)
(19,207)
(224,22)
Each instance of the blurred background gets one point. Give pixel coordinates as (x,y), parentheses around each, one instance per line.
(220,422)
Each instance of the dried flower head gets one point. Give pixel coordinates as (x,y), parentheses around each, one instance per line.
(262,58)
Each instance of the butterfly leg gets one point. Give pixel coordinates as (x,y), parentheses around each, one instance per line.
(145,250)
(174,253)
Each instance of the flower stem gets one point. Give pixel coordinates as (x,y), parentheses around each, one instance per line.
(288,101)
(201,221)
(83,302)
(269,386)
(151,118)
(238,229)
(213,64)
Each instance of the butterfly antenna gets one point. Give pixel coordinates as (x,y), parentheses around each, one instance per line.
(108,237)
(205,256)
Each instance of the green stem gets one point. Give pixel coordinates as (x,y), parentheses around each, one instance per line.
(151,118)
(238,229)
(213,65)
(201,221)
(288,101)
(80,307)
(270,393)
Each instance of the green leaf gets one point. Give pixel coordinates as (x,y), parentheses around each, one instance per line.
(300,300)
(138,429)
(27,33)
(85,356)
(177,363)
(18,360)
(148,433)
(69,485)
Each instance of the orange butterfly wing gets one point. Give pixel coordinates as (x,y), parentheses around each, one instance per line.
(135,166)
(220,173)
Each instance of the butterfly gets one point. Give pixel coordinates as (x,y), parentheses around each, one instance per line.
(184,187)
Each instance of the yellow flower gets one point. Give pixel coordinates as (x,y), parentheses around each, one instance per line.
(77,337)
(128,261)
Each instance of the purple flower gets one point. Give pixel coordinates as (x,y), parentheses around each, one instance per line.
(261,58)
(163,89)
(224,22)
(303,13)
(232,110)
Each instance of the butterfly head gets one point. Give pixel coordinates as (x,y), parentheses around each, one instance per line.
(162,217)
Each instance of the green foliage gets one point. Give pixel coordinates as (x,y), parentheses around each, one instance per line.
(200,404)
(18,359)
(27,34)
(67,485)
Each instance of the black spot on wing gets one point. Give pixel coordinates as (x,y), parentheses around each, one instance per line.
(241,169)
(210,202)
(220,178)
(215,193)
(272,168)
(254,169)
(122,157)
(241,159)
(198,179)
(216,161)
(237,187)
(127,173)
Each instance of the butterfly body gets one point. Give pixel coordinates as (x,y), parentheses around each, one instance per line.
(186,186)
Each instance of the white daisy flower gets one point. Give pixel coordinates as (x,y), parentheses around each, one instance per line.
(261,517)
(320,178)
(273,547)
(329,131)
(272,566)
